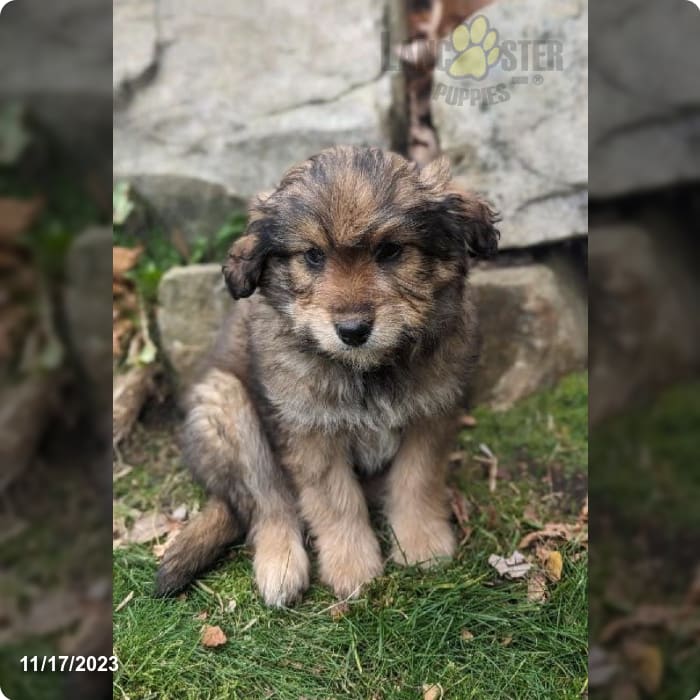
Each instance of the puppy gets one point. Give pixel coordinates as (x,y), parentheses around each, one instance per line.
(348,364)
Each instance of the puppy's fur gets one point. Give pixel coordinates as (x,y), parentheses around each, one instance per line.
(289,420)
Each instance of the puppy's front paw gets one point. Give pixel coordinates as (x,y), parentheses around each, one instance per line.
(281,571)
(423,542)
(347,565)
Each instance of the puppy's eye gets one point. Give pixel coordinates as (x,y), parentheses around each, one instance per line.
(388,252)
(314,257)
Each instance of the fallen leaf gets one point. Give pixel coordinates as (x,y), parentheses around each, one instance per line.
(577,533)
(537,588)
(231,606)
(466,636)
(124,259)
(432,691)
(507,641)
(149,526)
(213,636)
(515,566)
(553,565)
(201,616)
(18,215)
(647,663)
(124,602)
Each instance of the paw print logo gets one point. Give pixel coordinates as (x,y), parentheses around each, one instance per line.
(477,47)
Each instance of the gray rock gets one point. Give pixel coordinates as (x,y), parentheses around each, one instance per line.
(534,327)
(192,303)
(645,96)
(237,95)
(528,154)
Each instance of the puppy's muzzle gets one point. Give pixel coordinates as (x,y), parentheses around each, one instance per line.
(354,332)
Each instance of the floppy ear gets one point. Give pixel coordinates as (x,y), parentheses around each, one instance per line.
(468,218)
(246,257)
(244,265)
(475,219)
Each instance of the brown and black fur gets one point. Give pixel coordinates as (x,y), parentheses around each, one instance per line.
(289,420)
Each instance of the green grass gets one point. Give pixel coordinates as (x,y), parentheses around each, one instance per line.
(407,629)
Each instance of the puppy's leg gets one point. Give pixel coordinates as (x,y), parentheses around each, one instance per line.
(333,504)
(225,446)
(417,507)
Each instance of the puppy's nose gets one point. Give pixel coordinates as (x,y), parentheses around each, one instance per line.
(353,332)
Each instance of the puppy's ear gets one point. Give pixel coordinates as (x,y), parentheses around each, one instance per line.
(244,266)
(468,218)
(475,220)
(246,257)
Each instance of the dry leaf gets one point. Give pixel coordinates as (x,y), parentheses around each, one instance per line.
(466,636)
(18,215)
(432,691)
(577,533)
(123,259)
(202,616)
(213,636)
(553,565)
(507,641)
(647,662)
(515,566)
(149,526)
(537,588)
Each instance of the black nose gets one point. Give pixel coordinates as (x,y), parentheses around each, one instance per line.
(354,332)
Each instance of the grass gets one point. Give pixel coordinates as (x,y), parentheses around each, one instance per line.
(458,625)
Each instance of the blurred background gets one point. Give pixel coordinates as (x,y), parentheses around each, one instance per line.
(55,359)
(644,293)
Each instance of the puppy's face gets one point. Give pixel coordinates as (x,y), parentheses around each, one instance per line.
(359,250)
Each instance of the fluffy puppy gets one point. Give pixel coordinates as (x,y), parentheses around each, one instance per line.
(347,365)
